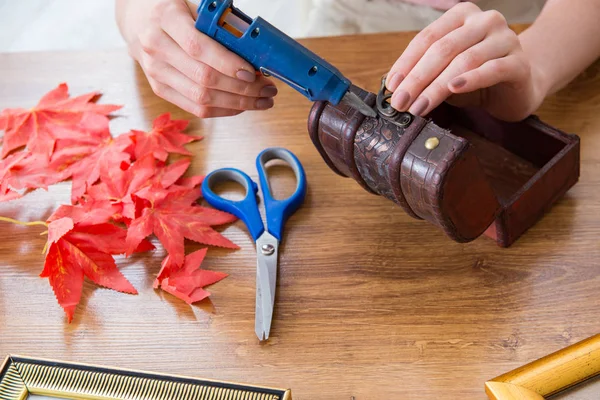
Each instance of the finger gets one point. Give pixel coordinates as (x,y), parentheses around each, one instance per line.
(501,70)
(203,74)
(450,21)
(439,56)
(171,95)
(204,96)
(179,25)
(495,46)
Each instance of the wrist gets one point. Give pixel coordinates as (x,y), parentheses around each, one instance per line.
(127,16)
(121,13)
(539,83)
(541,80)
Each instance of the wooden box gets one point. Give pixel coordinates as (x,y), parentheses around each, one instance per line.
(461,169)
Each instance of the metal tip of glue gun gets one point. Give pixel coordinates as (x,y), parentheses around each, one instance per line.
(356,102)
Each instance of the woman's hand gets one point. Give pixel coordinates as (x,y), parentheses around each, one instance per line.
(186,67)
(470,58)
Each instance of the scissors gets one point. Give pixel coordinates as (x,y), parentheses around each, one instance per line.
(267,241)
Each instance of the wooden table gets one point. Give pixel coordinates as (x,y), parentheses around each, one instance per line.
(371,303)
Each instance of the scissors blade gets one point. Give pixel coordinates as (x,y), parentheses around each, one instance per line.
(266,282)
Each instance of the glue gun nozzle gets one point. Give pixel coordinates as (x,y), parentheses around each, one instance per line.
(357,103)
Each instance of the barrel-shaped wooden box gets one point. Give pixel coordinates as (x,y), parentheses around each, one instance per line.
(460,169)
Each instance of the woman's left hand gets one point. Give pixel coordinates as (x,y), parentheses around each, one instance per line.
(469,58)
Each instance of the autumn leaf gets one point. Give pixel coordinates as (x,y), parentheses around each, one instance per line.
(190,182)
(22,171)
(167,175)
(85,214)
(4,116)
(170,177)
(125,179)
(172,218)
(32,171)
(8,195)
(165,137)
(6,192)
(175,127)
(79,251)
(86,171)
(182,182)
(56,115)
(117,184)
(59,228)
(187,282)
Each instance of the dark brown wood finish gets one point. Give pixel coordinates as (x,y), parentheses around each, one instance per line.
(371,302)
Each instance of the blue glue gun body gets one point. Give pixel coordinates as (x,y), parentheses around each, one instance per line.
(271,52)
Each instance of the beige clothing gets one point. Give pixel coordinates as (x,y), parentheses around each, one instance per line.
(439,4)
(338,17)
(303,18)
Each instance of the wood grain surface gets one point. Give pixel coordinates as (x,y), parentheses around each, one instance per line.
(371,304)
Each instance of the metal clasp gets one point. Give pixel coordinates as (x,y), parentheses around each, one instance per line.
(387,112)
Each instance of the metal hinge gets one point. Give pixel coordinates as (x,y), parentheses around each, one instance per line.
(387,112)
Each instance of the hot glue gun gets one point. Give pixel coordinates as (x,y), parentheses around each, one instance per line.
(273,53)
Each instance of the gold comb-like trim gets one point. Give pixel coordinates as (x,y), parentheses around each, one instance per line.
(549,375)
(11,384)
(21,376)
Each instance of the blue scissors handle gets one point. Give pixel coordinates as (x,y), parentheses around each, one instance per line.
(245,209)
(278,211)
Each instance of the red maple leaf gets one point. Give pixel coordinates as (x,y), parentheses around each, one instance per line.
(113,179)
(86,171)
(190,182)
(165,137)
(6,192)
(167,175)
(172,218)
(24,170)
(8,195)
(86,214)
(4,116)
(170,177)
(84,250)
(187,282)
(56,115)
(117,184)
(33,171)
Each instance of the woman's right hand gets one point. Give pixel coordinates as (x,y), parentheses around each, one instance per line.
(186,67)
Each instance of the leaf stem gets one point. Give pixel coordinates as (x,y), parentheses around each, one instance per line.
(14,221)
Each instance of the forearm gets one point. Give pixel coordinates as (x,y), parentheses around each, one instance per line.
(562,42)
(122,15)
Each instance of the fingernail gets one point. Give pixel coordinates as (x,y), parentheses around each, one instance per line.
(419,106)
(264,103)
(268,91)
(458,82)
(394,81)
(400,100)
(246,75)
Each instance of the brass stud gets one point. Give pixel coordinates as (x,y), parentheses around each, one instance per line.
(432,143)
